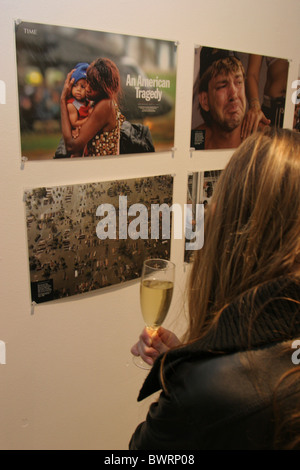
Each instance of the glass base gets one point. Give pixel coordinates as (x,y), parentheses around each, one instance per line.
(138,361)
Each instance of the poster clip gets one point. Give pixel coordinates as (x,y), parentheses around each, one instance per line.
(23,160)
(33,304)
(173,151)
(192,149)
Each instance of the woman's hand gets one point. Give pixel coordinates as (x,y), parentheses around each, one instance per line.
(151,345)
(253,119)
(66,91)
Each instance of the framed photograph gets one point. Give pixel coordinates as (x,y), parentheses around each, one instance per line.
(119,98)
(88,236)
(234,94)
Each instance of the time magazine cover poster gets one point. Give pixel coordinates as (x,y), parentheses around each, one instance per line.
(89,236)
(234,92)
(120,97)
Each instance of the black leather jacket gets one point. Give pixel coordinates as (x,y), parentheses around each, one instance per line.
(220,390)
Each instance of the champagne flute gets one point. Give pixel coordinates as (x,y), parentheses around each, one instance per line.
(156,290)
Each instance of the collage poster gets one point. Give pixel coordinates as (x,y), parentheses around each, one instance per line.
(232,91)
(74,247)
(200,188)
(296,102)
(136,74)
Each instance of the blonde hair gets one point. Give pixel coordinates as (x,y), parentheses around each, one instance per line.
(252,229)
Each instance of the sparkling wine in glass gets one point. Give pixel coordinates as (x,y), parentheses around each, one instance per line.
(156,290)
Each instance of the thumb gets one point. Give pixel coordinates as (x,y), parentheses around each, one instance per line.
(266,121)
(134,350)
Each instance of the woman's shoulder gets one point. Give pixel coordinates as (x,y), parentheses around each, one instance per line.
(237,391)
(104,105)
(227,383)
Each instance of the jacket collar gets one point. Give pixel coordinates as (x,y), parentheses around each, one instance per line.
(272,317)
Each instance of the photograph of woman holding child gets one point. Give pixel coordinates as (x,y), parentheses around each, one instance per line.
(112,74)
(99,133)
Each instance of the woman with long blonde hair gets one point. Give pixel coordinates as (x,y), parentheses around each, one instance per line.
(234,381)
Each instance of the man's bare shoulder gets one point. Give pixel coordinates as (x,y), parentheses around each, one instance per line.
(202,127)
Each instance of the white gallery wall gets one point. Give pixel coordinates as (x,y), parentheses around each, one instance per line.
(69,381)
